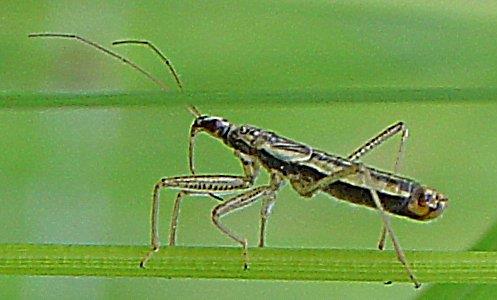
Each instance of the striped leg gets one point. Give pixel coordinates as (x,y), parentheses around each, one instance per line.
(242,201)
(189,185)
(385,135)
(398,128)
(388,227)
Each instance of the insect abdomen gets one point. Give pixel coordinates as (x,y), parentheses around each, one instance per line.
(394,204)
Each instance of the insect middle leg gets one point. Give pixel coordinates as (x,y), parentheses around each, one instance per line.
(267,207)
(391,131)
(242,201)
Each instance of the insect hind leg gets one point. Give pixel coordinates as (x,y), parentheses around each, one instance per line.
(391,131)
(308,188)
(388,227)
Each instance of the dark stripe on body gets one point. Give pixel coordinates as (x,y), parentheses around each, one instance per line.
(394,204)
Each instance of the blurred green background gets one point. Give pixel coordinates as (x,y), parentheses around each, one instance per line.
(84,175)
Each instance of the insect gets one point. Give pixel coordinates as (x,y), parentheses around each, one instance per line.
(307,170)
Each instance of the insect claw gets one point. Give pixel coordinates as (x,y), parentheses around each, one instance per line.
(417,284)
(381,246)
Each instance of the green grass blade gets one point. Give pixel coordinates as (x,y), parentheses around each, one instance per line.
(469,289)
(266,264)
(368,94)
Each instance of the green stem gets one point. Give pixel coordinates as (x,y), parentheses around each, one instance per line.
(368,94)
(267,263)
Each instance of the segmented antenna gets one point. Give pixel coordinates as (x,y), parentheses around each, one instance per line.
(123,59)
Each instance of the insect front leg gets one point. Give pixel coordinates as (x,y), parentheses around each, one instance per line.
(242,201)
(387,225)
(397,128)
(174,218)
(251,171)
(188,185)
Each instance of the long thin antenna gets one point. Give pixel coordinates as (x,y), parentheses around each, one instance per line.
(159,53)
(105,50)
(194,111)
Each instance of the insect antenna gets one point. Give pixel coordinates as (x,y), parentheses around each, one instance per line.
(107,51)
(194,111)
(159,53)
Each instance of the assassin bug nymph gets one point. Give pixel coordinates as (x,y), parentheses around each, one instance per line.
(308,171)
